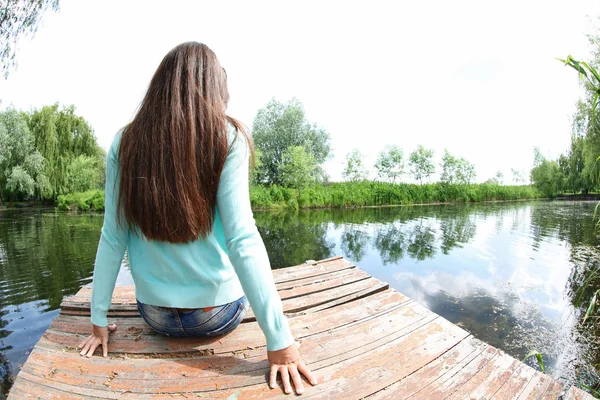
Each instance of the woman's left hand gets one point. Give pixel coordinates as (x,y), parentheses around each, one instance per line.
(99,337)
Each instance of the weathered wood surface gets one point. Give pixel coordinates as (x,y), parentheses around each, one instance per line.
(360,338)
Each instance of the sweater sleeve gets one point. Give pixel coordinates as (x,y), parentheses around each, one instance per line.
(246,249)
(113,242)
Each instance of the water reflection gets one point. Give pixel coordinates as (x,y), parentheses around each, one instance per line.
(510,274)
(43,256)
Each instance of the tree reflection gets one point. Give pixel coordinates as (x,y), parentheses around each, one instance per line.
(456,231)
(354,242)
(422,241)
(390,240)
(293,238)
(5,376)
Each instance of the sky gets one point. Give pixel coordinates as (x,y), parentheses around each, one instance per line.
(478,78)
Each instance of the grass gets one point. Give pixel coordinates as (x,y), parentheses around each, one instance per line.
(92,200)
(345,195)
(364,194)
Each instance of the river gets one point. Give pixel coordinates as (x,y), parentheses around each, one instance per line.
(509,273)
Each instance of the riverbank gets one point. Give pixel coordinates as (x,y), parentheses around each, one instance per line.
(374,194)
(346,195)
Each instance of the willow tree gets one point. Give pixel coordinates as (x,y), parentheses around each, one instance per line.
(21,165)
(61,137)
(19,18)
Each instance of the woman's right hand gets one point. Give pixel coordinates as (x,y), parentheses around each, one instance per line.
(99,337)
(287,362)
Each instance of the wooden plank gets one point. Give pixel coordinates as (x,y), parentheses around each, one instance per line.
(448,364)
(555,389)
(360,375)
(480,381)
(516,384)
(138,338)
(574,393)
(449,384)
(536,387)
(360,338)
(147,373)
(505,367)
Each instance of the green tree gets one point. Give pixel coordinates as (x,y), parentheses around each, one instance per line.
(421,163)
(354,169)
(546,175)
(20,182)
(61,136)
(390,163)
(19,18)
(257,170)
(499,177)
(19,163)
(83,174)
(298,169)
(517,177)
(465,172)
(279,126)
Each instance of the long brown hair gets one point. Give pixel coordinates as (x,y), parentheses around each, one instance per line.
(172,154)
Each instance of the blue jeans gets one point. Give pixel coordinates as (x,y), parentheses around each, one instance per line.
(217,321)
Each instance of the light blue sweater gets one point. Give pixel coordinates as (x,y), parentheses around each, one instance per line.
(213,271)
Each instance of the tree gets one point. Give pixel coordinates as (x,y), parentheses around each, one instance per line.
(54,149)
(15,154)
(257,171)
(61,136)
(20,182)
(456,170)
(354,169)
(279,126)
(546,175)
(517,177)
(421,163)
(465,173)
(499,177)
(449,167)
(83,174)
(19,18)
(298,169)
(390,163)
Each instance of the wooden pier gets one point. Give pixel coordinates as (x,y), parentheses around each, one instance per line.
(360,338)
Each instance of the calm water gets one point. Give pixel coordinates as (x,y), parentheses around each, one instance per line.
(507,273)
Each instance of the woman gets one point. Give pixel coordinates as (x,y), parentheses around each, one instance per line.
(177,198)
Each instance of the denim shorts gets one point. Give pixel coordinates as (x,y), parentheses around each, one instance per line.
(215,321)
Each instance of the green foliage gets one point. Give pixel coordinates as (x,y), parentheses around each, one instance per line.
(278,127)
(546,175)
(19,18)
(20,182)
(365,193)
(456,170)
(421,163)
(499,177)
(61,136)
(84,173)
(390,163)
(517,177)
(82,201)
(354,170)
(53,148)
(298,167)
(20,165)
(539,358)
